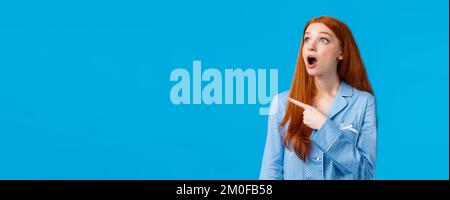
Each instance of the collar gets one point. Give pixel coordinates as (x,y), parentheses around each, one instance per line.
(340,102)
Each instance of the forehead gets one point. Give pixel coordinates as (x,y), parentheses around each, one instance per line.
(316,28)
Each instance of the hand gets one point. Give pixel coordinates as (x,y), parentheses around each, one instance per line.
(312,117)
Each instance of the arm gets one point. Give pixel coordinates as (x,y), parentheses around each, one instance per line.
(273,158)
(350,153)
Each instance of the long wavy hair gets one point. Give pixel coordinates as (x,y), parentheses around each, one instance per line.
(350,69)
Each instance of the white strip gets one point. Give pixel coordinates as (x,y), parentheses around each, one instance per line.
(349,127)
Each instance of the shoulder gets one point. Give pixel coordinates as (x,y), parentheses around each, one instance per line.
(363,97)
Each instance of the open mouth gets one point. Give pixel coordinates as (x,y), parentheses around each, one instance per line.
(311,60)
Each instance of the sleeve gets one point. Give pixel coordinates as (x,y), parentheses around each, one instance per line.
(349,152)
(273,158)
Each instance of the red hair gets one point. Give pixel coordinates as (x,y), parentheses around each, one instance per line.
(350,69)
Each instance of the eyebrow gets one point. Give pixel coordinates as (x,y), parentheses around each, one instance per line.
(321,32)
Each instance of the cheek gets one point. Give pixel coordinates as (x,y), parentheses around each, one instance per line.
(304,53)
(330,54)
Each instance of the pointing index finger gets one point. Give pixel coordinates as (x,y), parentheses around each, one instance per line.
(298,103)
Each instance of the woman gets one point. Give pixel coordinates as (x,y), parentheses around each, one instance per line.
(325,126)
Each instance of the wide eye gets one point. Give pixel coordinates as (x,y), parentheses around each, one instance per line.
(306,39)
(324,40)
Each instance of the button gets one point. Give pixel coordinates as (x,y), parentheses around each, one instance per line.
(317,158)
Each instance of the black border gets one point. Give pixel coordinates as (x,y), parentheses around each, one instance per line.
(145,189)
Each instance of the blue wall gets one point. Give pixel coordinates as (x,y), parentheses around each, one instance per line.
(85,90)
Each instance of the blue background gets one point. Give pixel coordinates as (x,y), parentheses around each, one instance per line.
(84,86)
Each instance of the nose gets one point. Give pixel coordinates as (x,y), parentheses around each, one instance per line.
(311,46)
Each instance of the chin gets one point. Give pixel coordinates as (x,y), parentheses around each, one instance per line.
(312,72)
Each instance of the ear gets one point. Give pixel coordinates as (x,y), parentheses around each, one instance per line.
(341,55)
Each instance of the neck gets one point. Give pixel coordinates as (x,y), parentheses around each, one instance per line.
(327,86)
